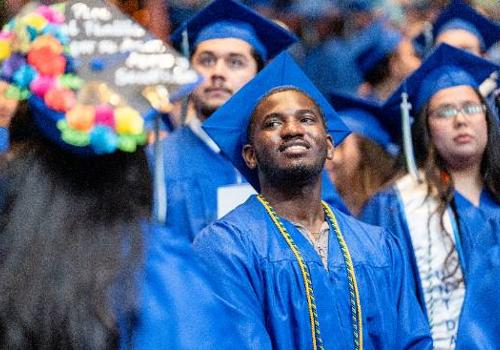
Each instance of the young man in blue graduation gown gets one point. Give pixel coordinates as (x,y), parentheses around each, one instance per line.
(305,275)
(229,44)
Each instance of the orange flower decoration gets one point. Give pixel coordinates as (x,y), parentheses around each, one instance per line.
(47,41)
(46,61)
(60,99)
(81,117)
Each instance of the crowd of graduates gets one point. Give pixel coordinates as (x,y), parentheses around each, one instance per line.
(271,175)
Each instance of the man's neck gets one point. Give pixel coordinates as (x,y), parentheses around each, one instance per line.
(468,182)
(301,206)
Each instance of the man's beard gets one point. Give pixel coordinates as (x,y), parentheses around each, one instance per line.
(293,177)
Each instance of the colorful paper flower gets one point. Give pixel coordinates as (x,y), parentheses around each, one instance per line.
(46,61)
(72,136)
(15,93)
(81,117)
(103,139)
(47,41)
(12,64)
(5,49)
(56,32)
(50,14)
(35,20)
(60,99)
(41,84)
(24,76)
(128,121)
(71,81)
(104,115)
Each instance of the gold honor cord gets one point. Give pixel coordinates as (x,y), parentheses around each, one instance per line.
(317,342)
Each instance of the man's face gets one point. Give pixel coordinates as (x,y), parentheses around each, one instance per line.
(288,140)
(225,65)
(461,39)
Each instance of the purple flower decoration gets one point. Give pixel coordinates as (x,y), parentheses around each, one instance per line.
(12,64)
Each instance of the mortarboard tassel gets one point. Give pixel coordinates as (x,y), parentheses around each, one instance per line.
(407,139)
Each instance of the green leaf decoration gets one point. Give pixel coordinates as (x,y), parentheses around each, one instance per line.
(71,81)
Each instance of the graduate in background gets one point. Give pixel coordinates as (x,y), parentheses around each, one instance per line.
(367,159)
(81,265)
(460,26)
(229,43)
(438,210)
(306,275)
(386,60)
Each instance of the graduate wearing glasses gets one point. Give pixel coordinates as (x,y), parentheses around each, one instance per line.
(439,209)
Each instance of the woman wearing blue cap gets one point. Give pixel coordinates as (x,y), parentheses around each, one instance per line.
(440,209)
(80,264)
(367,159)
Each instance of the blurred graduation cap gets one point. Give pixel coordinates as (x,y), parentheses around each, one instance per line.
(91,74)
(228,125)
(458,15)
(230,19)
(446,67)
(86,68)
(380,41)
(367,119)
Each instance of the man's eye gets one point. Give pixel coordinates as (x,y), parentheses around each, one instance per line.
(206,61)
(308,119)
(271,123)
(236,63)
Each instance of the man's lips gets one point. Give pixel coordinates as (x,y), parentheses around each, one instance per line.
(220,90)
(294,146)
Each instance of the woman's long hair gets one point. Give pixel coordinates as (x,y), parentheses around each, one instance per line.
(440,184)
(70,243)
(377,168)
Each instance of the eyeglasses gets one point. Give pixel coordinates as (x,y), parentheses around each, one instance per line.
(448,112)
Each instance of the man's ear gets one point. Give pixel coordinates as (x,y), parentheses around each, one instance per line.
(248,154)
(330,147)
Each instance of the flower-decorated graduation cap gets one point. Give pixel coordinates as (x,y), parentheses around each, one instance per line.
(446,67)
(90,74)
(458,15)
(229,19)
(381,40)
(366,118)
(228,125)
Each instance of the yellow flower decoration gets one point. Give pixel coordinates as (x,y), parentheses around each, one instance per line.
(5,50)
(128,121)
(35,20)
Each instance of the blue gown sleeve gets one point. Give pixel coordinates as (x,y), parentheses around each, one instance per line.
(413,329)
(479,325)
(4,139)
(178,306)
(228,256)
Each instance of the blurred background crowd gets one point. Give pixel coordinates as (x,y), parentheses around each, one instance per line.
(332,32)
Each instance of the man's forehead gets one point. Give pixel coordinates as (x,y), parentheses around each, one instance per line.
(224,47)
(281,97)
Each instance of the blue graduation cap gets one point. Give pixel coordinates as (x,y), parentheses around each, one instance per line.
(381,41)
(367,119)
(228,125)
(230,19)
(459,15)
(446,67)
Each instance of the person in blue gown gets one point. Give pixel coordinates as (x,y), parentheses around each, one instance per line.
(367,160)
(305,275)
(83,264)
(438,211)
(228,43)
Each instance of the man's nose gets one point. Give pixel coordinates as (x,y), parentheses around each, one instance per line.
(219,69)
(292,127)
